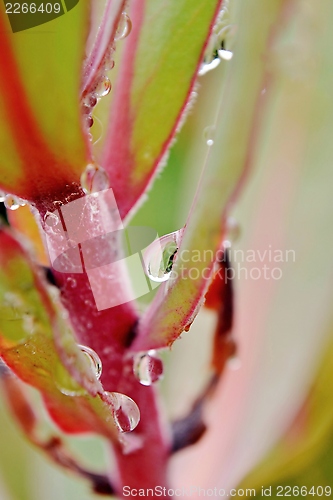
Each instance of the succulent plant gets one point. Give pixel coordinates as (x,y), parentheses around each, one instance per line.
(102,269)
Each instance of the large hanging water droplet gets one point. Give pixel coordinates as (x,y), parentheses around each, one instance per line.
(160,256)
(124,27)
(51,219)
(96,363)
(103,88)
(94,179)
(11,202)
(148,367)
(125,411)
(209,133)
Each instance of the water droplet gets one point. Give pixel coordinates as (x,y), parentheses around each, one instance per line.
(109,64)
(94,179)
(2,196)
(90,100)
(208,66)
(51,219)
(124,27)
(148,367)
(89,121)
(125,411)
(65,383)
(11,202)
(86,110)
(94,359)
(160,256)
(103,88)
(209,133)
(225,54)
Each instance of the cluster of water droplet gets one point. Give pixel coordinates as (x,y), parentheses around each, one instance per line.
(11,201)
(124,410)
(103,84)
(220,43)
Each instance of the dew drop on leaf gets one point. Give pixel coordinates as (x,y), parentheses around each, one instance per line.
(89,121)
(124,27)
(160,256)
(90,100)
(11,202)
(94,179)
(96,363)
(225,54)
(86,110)
(125,411)
(51,219)
(103,88)
(65,383)
(209,133)
(208,66)
(148,367)
(109,64)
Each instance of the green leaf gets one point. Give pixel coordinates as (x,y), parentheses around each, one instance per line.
(177,304)
(303,456)
(41,138)
(283,321)
(158,70)
(28,321)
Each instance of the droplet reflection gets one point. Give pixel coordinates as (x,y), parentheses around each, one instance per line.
(148,367)
(96,363)
(124,27)
(125,411)
(160,256)
(94,179)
